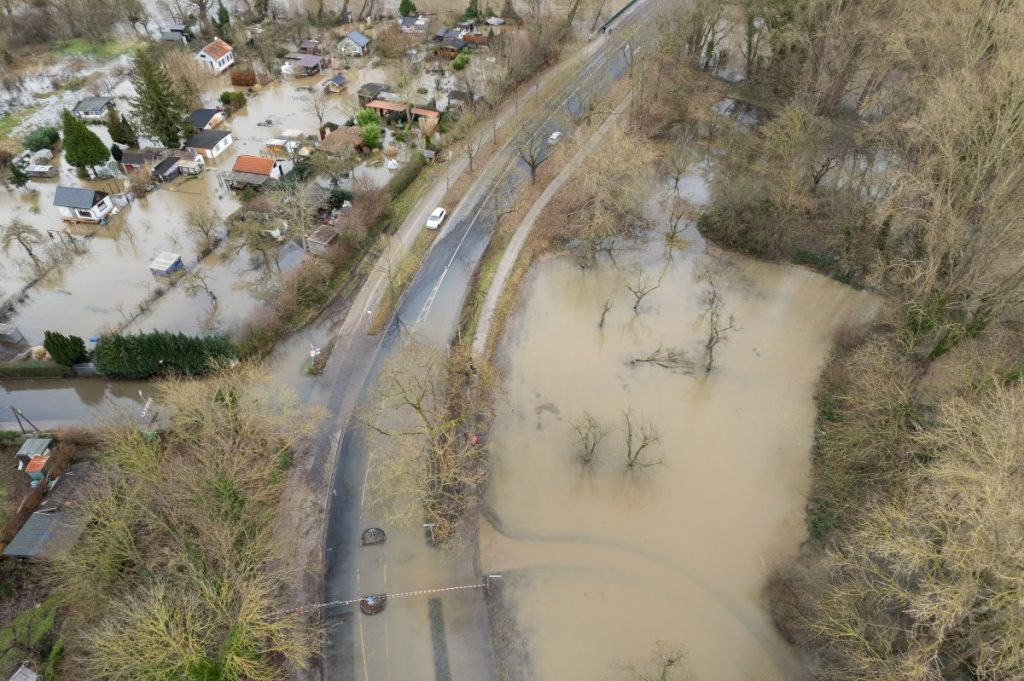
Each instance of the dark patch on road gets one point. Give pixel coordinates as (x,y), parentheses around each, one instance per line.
(442,669)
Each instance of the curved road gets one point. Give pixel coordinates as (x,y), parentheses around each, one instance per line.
(449,639)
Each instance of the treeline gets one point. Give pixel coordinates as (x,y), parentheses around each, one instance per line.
(39,21)
(887,153)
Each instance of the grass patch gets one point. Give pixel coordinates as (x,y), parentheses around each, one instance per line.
(107,49)
(28,634)
(33,369)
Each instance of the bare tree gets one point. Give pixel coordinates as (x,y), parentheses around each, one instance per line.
(589,435)
(604,205)
(203,223)
(298,205)
(465,132)
(717,329)
(531,151)
(428,460)
(678,210)
(642,287)
(318,104)
(637,438)
(195,283)
(25,235)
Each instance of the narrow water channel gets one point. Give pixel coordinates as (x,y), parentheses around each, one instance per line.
(602,565)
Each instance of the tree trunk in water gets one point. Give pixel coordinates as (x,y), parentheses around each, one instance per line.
(572,11)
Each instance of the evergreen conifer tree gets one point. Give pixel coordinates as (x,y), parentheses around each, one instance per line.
(65,350)
(407,8)
(19,178)
(472,11)
(121,131)
(223,20)
(158,107)
(116,152)
(82,148)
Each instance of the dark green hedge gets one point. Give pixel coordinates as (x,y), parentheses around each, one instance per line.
(159,353)
(406,175)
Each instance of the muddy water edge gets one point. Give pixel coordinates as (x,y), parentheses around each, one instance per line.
(599,565)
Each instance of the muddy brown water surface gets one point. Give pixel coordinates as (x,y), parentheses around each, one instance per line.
(602,565)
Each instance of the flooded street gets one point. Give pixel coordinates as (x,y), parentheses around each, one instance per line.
(601,565)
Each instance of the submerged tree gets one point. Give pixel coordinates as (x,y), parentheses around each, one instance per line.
(589,435)
(637,437)
(717,329)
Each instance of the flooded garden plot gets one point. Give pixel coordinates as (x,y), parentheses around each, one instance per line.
(105,284)
(603,562)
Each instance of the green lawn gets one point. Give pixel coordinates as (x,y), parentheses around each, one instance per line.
(79,47)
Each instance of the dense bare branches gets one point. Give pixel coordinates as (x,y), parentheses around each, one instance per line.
(589,435)
(428,415)
(174,575)
(638,436)
(604,204)
(642,287)
(913,568)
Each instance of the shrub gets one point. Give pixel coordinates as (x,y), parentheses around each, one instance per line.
(236,100)
(339,197)
(65,350)
(460,62)
(159,353)
(366,116)
(372,135)
(41,138)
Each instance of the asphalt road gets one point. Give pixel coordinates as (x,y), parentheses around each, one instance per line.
(401,643)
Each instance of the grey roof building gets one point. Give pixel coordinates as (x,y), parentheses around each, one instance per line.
(35,446)
(200,118)
(44,535)
(206,139)
(91,106)
(77,197)
(359,39)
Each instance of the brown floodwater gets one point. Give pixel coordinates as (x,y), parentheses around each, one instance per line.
(602,565)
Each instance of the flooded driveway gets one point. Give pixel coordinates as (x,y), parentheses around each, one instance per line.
(601,565)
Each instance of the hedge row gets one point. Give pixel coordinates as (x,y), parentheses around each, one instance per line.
(160,353)
(406,175)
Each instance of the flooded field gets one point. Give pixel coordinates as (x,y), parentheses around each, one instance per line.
(603,564)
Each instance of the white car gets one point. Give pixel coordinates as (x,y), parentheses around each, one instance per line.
(555,136)
(436,218)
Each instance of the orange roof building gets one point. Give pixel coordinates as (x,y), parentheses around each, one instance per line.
(217,55)
(36,466)
(257,165)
